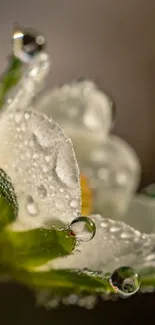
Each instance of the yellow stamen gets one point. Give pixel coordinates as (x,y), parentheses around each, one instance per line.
(87,196)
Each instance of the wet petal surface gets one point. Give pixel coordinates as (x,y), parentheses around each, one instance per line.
(115,244)
(39,159)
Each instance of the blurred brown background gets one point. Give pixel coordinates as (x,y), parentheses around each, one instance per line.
(111,41)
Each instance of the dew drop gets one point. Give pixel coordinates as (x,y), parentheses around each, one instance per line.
(26,116)
(18,116)
(61,190)
(73,204)
(31,206)
(42,191)
(23,127)
(125,281)
(83,228)
(47,158)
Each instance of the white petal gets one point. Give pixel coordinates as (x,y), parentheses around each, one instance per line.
(29,86)
(41,163)
(115,174)
(141,213)
(80,107)
(115,244)
(111,165)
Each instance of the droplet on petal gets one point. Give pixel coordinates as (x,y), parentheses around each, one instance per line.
(33,175)
(31,206)
(83,228)
(125,281)
(111,249)
(80,108)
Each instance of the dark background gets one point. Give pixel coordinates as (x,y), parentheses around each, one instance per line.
(17,307)
(113,42)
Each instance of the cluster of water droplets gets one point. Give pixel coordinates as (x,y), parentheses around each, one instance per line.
(87,115)
(42,166)
(45,174)
(72,105)
(125,281)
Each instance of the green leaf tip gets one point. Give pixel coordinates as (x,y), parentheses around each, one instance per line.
(6,213)
(65,282)
(38,246)
(7,192)
(10,78)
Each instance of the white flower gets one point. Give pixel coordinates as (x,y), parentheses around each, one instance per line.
(113,170)
(39,158)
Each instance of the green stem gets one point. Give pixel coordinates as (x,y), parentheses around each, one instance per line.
(64,282)
(10,78)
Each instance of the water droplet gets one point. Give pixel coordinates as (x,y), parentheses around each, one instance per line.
(26,115)
(73,204)
(42,191)
(27,44)
(83,228)
(47,158)
(23,127)
(125,281)
(18,116)
(107,276)
(31,206)
(104,225)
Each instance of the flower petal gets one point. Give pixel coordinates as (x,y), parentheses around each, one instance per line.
(109,163)
(141,213)
(80,107)
(41,163)
(115,244)
(114,170)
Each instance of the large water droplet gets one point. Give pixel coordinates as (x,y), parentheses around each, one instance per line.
(27,44)
(125,281)
(83,228)
(31,206)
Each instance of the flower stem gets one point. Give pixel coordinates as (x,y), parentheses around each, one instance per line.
(10,78)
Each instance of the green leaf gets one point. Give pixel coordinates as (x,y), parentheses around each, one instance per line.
(6,213)
(10,78)
(7,191)
(38,246)
(65,282)
(147,277)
